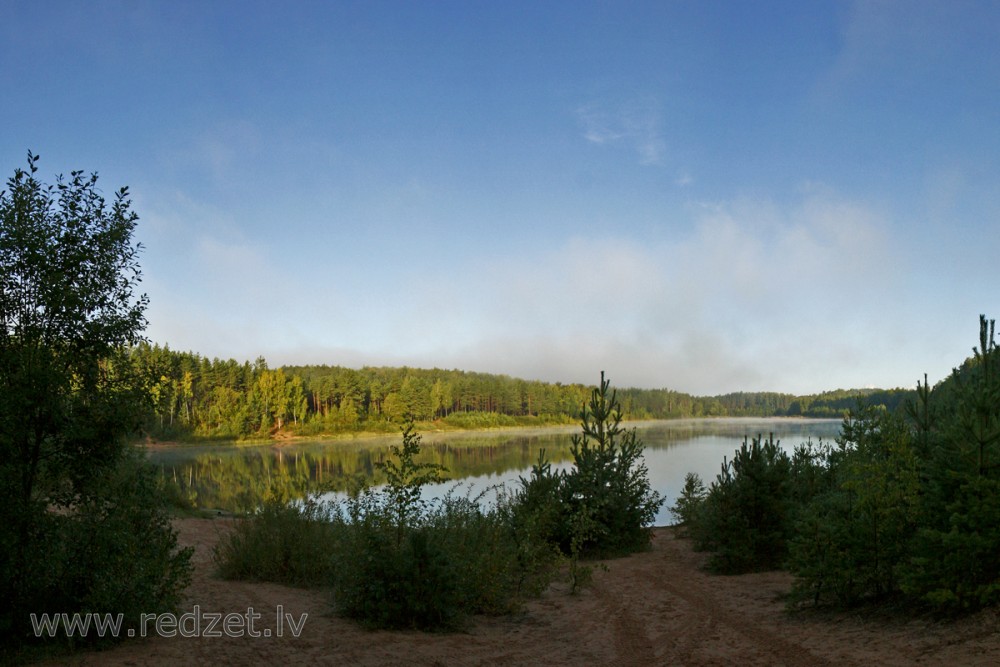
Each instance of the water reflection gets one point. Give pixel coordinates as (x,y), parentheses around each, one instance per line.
(239,478)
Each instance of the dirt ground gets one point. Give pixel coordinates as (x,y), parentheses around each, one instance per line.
(653,608)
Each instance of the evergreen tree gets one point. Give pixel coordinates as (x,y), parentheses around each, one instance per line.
(609,479)
(956,564)
(853,539)
(689,501)
(745,518)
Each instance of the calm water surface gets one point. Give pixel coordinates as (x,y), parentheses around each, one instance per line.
(237,478)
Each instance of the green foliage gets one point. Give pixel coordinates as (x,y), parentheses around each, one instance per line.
(604,504)
(194,397)
(377,571)
(854,538)
(538,501)
(499,563)
(609,480)
(903,507)
(583,530)
(689,501)
(392,558)
(114,554)
(404,481)
(411,563)
(956,560)
(811,473)
(458,559)
(839,519)
(81,526)
(745,517)
(956,566)
(281,542)
(479,420)
(405,584)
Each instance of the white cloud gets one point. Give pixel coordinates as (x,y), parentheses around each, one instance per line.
(635,124)
(597,125)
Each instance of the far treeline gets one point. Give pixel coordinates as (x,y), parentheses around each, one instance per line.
(193,397)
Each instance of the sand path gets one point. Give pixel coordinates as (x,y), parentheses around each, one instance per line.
(653,608)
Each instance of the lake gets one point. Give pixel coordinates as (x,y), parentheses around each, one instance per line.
(237,478)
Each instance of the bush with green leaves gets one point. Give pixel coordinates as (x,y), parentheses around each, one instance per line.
(284,542)
(410,562)
(609,478)
(389,573)
(113,553)
(392,558)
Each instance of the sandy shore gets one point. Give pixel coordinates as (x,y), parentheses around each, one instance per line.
(653,608)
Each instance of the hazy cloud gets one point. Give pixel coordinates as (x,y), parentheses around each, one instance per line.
(635,124)
(220,154)
(894,43)
(755,296)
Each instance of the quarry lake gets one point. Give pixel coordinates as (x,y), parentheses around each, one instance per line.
(238,478)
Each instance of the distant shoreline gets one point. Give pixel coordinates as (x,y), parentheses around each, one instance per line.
(439,434)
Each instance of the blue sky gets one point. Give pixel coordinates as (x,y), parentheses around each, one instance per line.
(705,196)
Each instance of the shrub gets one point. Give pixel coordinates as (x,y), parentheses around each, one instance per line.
(610,479)
(112,553)
(413,563)
(853,538)
(282,542)
(479,420)
(387,579)
(393,558)
(744,519)
(956,566)
(900,508)
(390,572)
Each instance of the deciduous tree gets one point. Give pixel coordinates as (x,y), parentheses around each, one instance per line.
(69,307)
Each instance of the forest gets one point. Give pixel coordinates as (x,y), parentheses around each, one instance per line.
(193,397)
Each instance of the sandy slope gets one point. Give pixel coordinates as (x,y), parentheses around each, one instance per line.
(654,608)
